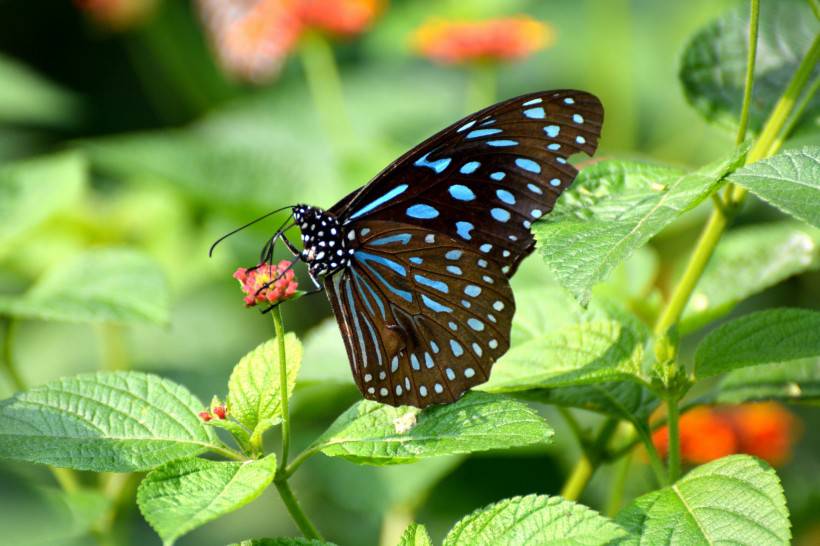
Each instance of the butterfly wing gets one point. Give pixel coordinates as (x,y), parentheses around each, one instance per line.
(485,179)
(423,317)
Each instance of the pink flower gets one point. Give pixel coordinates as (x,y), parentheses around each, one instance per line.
(267,283)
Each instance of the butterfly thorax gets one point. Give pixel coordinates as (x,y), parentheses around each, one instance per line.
(325,248)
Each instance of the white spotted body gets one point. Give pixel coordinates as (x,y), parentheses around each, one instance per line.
(325,246)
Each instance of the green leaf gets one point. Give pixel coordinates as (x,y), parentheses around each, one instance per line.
(254,396)
(734,500)
(765,337)
(625,400)
(186,494)
(109,285)
(591,352)
(790,382)
(105,422)
(373,433)
(534,520)
(283,541)
(789,180)
(632,203)
(747,261)
(34,189)
(26,97)
(713,67)
(415,535)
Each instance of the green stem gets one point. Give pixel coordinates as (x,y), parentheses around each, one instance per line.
(481,86)
(8,355)
(797,113)
(228,453)
(296,512)
(578,478)
(750,72)
(673,418)
(325,87)
(616,495)
(283,387)
(591,459)
(282,474)
(654,458)
(298,460)
(720,217)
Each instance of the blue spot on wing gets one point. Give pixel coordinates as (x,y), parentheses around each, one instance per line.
(506,196)
(422,212)
(498,175)
(502,143)
(365,258)
(478,133)
(552,130)
(398,190)
(434,305)
(461,192)
(463,229)
(535,113)
(403,238)
(469,168)
(528,165)
(438,165)
(434,284)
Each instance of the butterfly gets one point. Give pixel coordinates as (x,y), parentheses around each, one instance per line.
(417,263)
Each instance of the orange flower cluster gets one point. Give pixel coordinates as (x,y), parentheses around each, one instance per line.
(766,430)
(267,283)
(252,38)
(117,14)
(453,42)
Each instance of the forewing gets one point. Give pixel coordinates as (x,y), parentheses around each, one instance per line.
(423,316)
(487,177)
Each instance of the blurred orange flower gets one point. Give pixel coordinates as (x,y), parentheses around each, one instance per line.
(766,430)
(452,42)
(117,14)
(340,17)
(252,38)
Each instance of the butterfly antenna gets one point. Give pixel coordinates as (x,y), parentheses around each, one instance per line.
(237,230)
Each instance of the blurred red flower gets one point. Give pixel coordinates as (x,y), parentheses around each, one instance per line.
(280,281)
(766,430)
(117,14)
(505,39)
(340,17)
(252,38)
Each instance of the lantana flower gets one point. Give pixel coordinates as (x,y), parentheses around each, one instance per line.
(506,39)
(766,430)
(252,38)
(267,283)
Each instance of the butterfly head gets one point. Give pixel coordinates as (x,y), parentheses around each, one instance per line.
(325,246)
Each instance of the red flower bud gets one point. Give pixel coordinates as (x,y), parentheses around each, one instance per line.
(220,412)
(205,416)
(267,283)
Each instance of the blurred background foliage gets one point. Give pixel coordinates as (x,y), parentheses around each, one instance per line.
(133,151)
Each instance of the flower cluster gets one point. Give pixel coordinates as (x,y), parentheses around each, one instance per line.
(219,411)
(267,283)
(252,39)
(766,430)
(454,42)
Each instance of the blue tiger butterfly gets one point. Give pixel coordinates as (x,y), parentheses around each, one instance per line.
(416,263)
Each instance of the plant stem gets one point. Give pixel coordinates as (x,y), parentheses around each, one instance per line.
(302,521)
(721,216)
(578,478)
(750,72)
(325,87)
(616,495)
(673,418)
(481,86)
(281,479)
(298,460)
(9,331)
(654,458)
(590,460)
(283,387)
